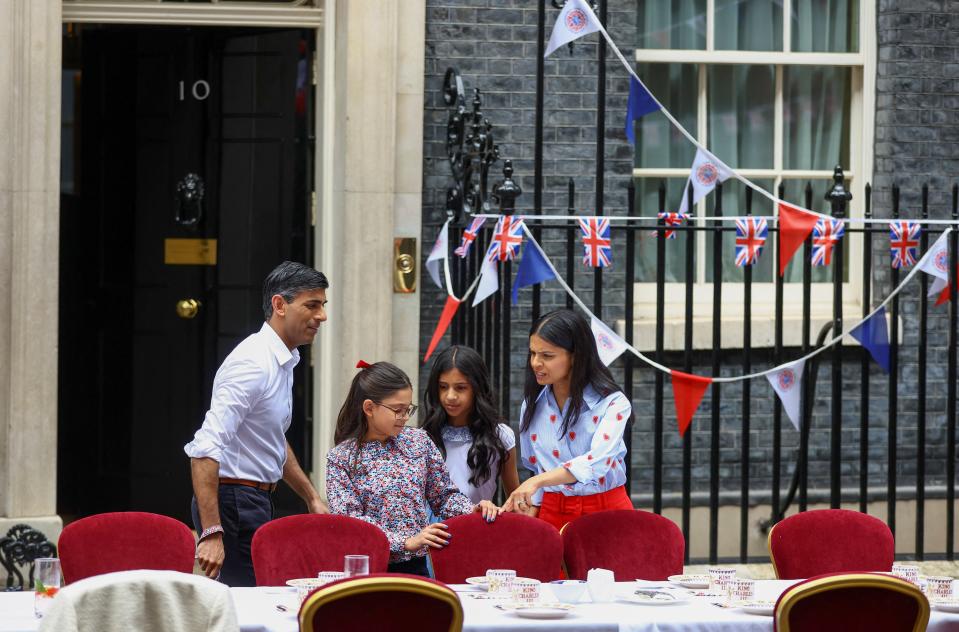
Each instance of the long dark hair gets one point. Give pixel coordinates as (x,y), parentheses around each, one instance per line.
(568,330)
(376,382)
(483,420)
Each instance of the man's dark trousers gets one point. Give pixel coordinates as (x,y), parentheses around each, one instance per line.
(243,510)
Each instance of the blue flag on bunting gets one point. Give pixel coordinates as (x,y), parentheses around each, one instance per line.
(873,335)
(640,103)
(533,269)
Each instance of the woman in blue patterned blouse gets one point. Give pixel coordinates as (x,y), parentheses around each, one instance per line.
(380,470)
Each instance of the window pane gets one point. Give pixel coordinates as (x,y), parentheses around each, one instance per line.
(825,26)
(658,142)
(749,25)
(734,204)
(795,192)
(675,24)
(815,117)
(647,201)
(741,115)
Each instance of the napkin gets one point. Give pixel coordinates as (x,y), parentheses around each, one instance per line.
(601,584)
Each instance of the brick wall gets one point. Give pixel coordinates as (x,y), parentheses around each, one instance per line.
(493,45)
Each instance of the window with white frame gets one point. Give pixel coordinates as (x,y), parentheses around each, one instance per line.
(780,90)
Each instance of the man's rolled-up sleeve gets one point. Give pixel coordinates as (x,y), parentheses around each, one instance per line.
(236,388)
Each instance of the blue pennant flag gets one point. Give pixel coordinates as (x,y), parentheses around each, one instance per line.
(873,335)
(533,269)
(640,103)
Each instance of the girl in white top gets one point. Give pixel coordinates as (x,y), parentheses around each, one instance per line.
(464,423)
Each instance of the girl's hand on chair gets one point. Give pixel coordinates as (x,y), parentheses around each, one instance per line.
(434,535)
(488,509)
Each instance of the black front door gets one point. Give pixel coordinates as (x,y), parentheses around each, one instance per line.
(193,177)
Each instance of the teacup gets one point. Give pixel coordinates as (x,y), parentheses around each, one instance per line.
(939,587)
(525,591)
(742,589)
(330,576)
(908,572)
(500,581)
(720,579)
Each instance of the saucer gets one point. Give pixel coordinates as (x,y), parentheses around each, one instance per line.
(765,608)
(690,581)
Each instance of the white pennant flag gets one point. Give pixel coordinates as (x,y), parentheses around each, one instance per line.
(575,20)
(438,254)
(936,263)
(609,345)
(489,276)
(706,171)
(787,382)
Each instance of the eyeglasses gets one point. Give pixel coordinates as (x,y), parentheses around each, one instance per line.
(401,413)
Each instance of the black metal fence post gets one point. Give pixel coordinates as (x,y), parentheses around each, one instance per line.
(837,197)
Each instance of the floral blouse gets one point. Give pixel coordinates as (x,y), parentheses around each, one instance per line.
(386,484)
(593,450)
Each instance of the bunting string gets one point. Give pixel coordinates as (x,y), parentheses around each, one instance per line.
(652,220)
(562,33)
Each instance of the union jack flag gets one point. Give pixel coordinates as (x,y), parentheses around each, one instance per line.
(507,237)
(596,243)
(671,219)
(904,243)
(825,234)
(751,233)
(469,236)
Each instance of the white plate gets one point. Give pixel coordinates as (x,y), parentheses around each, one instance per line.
(690,581)
(307,582)
(946,605)
(542,612)
(765,608)
(640,597)
(479,582)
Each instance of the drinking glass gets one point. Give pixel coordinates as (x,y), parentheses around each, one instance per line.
(46,583)
(354,565)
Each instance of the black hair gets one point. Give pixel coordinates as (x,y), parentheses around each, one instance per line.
(483,420)
(289,279)
(376,382)
(570,331)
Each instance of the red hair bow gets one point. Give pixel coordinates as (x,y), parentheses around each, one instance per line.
(363,364)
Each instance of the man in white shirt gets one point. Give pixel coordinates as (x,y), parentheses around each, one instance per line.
(241,451)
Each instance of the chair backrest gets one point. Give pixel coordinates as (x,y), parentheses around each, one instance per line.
(125,541)
(852,602)
(531,547)
(385,602)
(633,544)
(830,541)
(303,545)
(146,601)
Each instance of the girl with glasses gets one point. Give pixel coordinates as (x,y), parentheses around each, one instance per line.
(463,421)
(379,469)
(572,422)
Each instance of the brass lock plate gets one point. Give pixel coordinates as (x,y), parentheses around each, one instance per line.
(191,252)
(404,265)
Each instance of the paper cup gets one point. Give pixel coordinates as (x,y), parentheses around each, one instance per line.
(939,587)
(720,578)
(330,576)
(742,589)
(908,572)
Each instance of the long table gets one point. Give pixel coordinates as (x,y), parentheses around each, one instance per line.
(257,612)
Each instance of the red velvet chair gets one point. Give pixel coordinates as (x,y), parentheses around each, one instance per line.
(386,602)
(633,544)
(304,545)
(124,541)
(531,547)
(830,541)
(852,602)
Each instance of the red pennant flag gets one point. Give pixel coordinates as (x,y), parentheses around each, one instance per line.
(794,226)
(945,294)
(449,310)
(688,391)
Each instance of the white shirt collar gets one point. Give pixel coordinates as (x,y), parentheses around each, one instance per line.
(283,355)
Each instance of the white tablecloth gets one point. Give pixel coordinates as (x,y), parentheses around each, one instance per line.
(257,612)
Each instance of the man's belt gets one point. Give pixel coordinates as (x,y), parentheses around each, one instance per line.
(266,487)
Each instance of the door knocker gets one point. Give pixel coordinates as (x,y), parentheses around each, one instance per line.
(189,200)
